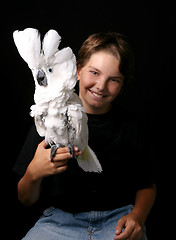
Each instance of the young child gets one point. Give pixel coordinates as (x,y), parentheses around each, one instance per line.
(110,205)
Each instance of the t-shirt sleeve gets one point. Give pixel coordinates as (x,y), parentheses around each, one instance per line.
(27,151)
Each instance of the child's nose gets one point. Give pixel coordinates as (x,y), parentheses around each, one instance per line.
(101,85)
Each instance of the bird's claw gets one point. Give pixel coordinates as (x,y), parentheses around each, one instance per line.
(53,151)
(54,148)
(71,149)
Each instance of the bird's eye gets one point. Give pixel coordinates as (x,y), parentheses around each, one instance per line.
(50,69)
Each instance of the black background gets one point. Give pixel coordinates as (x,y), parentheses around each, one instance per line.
(150,27)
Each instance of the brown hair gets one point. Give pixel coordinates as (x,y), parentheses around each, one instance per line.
(114,43)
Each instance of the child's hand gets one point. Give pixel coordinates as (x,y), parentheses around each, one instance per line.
(41,165)
(132,228)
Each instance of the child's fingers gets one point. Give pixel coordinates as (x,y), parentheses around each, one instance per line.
(62,150)
(65,151)
(77,152)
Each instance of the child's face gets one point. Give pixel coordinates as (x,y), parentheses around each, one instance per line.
(100,81)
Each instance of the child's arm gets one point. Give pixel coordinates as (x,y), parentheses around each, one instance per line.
(40,167)
(133,222)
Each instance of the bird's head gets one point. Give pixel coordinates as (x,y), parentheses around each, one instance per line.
(55,74)
(53,70)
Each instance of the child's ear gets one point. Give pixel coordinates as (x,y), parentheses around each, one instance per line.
(78,72)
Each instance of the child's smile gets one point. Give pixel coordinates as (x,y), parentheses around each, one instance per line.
(97,95)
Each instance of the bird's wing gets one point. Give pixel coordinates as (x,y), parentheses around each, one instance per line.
(87,160)
(29,45)
(39,112)
(79,132)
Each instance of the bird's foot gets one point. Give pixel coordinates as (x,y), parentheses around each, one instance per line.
(54,148)
(53,151)
(71,149)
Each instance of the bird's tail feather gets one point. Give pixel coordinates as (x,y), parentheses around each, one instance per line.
(88,161)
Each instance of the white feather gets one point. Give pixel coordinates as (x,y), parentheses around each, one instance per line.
(51,43)
(29,45)
(63,55)
(89,161)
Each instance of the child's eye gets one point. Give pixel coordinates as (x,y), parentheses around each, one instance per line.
(114,80)
(94,72)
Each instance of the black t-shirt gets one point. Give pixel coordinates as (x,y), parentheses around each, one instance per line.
(121,144)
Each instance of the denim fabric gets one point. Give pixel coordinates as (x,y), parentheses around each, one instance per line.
(56,224)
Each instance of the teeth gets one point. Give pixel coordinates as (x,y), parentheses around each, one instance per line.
(96,95)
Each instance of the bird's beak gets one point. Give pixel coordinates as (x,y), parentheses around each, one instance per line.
(41,78)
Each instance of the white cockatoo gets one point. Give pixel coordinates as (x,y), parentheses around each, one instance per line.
(58,111)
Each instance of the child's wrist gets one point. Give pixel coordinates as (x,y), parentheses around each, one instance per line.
(32,176)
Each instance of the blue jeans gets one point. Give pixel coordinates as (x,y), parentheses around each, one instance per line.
(56,224)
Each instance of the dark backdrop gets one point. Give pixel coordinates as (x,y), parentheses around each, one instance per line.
(150,27)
